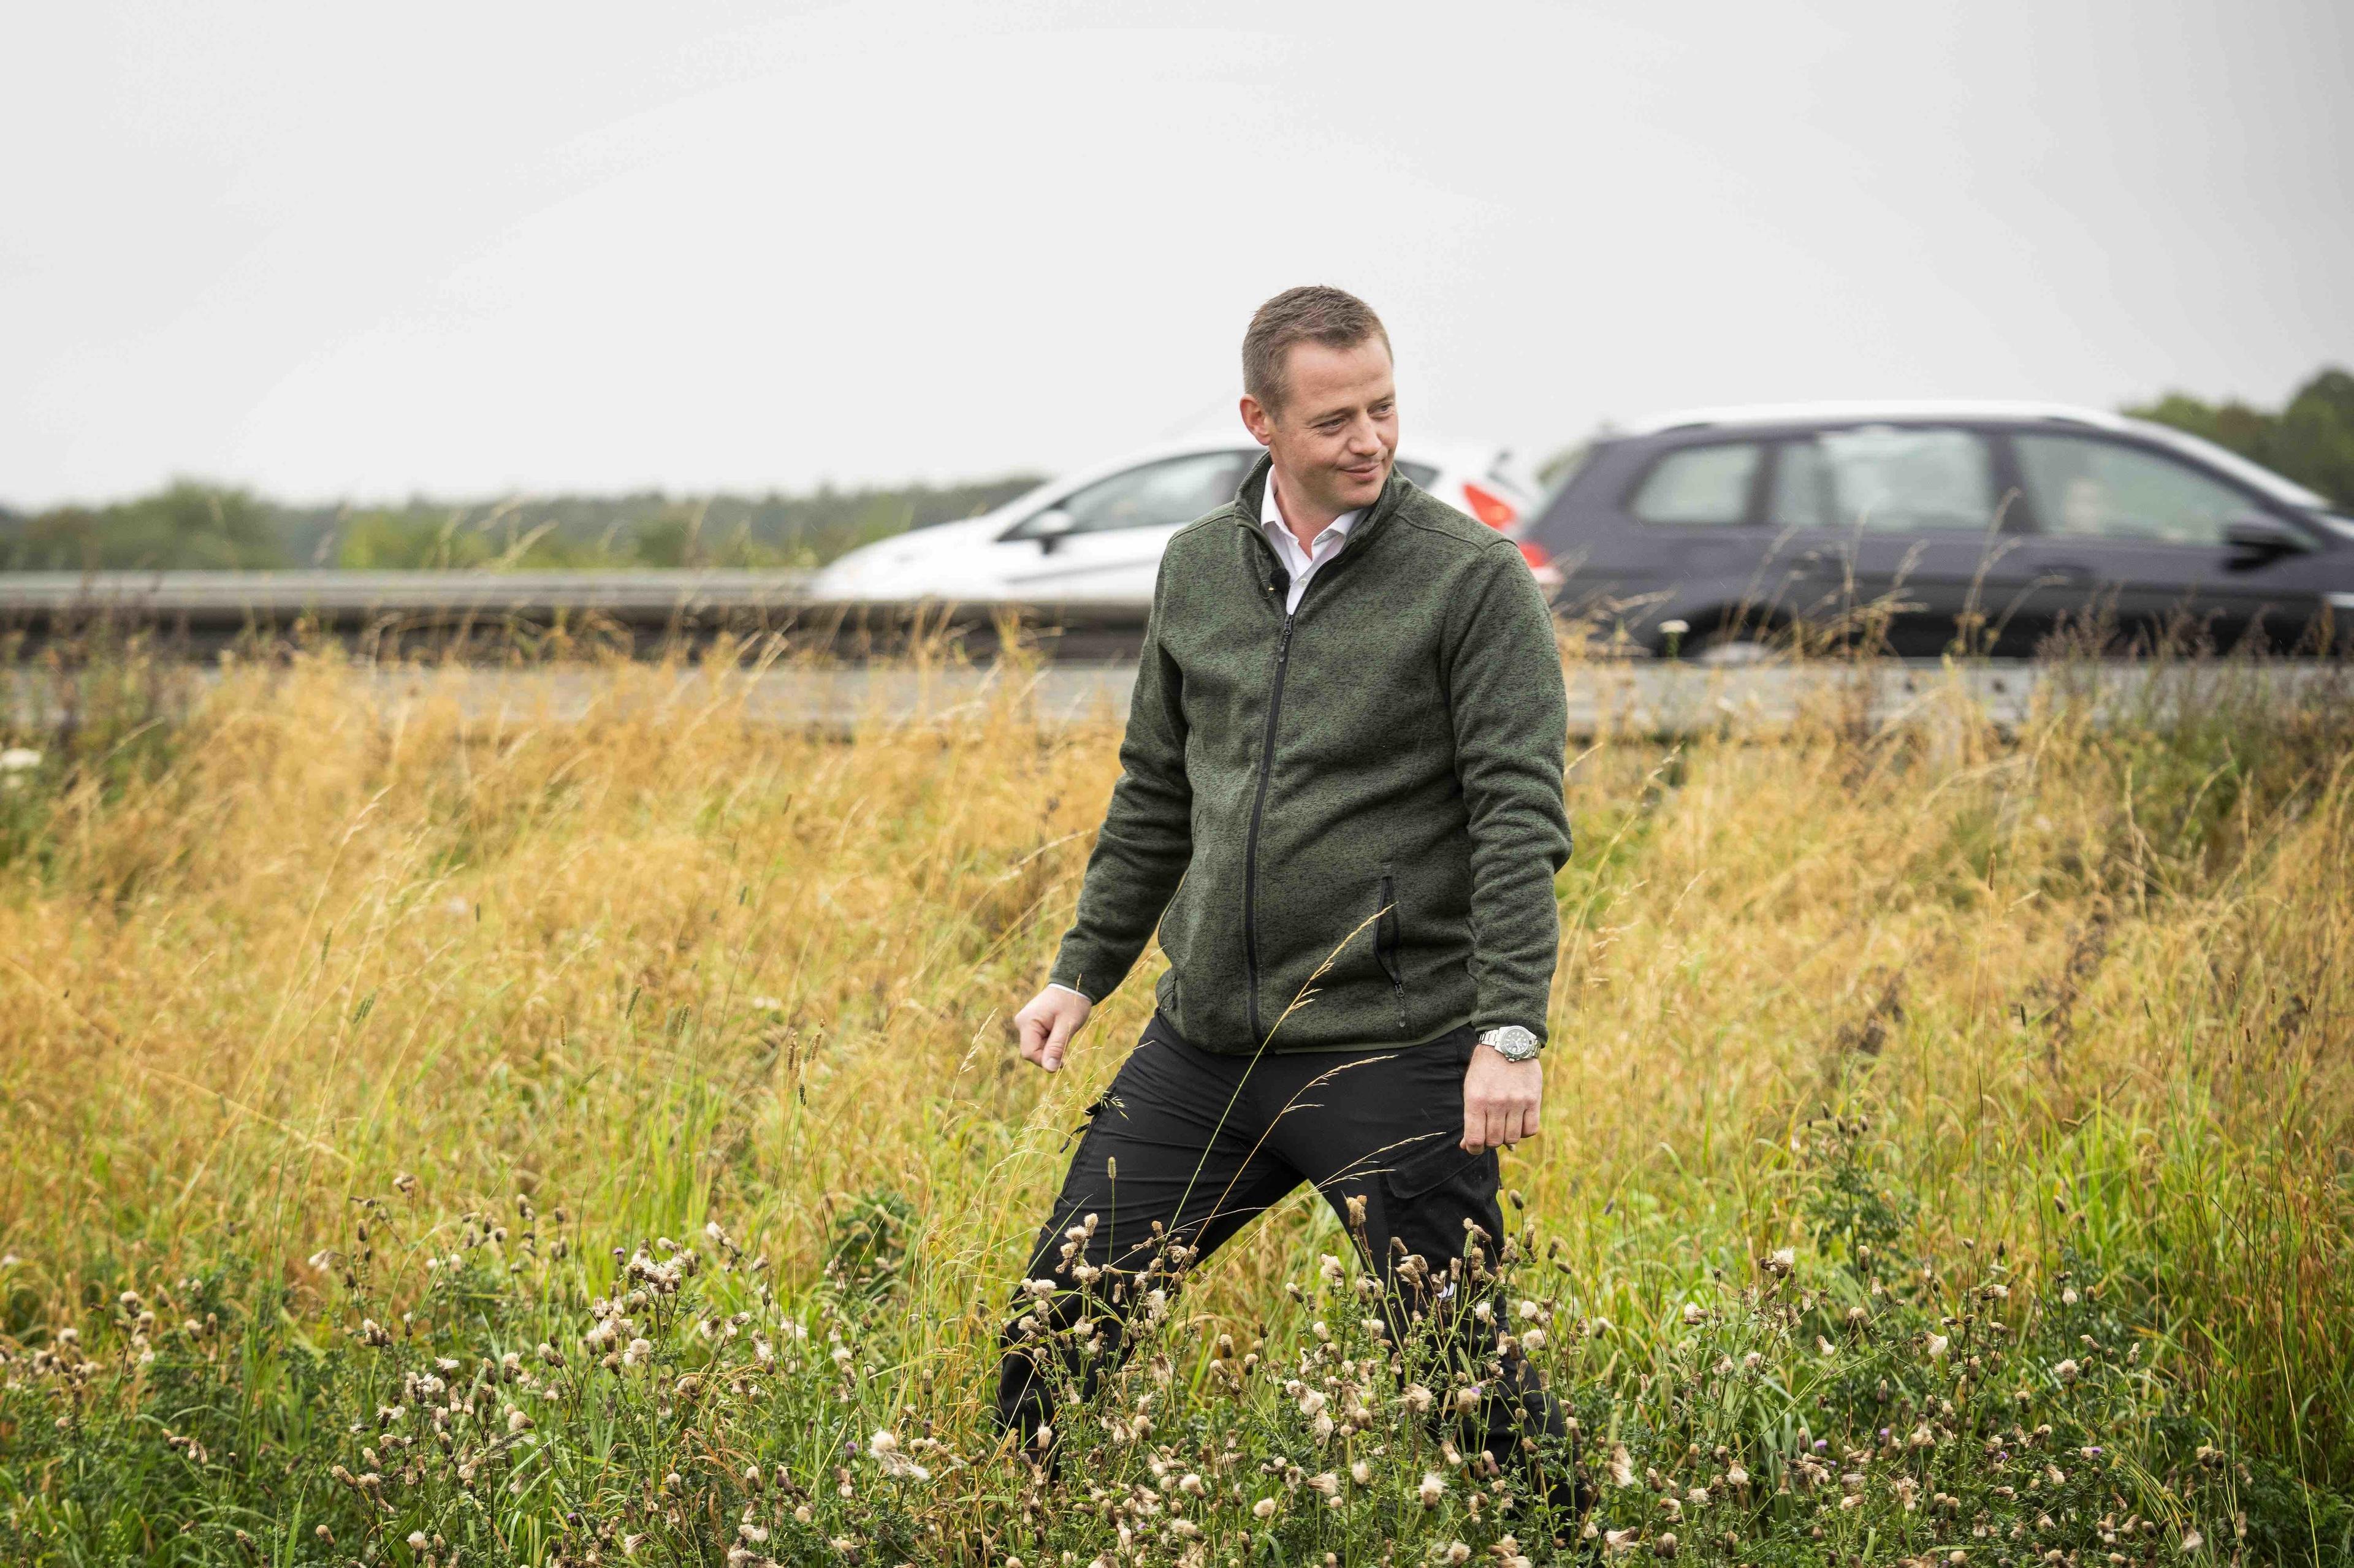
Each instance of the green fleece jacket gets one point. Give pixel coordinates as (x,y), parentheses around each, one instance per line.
(1344,821)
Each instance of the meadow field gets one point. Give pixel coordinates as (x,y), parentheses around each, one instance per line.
(454,1139)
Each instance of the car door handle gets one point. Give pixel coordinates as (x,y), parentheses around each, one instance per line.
(2067,574)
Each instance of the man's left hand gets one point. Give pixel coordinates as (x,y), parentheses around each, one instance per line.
(1499,1100)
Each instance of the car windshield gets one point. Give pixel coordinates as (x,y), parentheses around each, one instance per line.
(2252,474)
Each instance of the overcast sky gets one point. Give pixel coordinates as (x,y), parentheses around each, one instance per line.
(339,250)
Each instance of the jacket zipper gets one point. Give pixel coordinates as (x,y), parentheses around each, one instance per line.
(1258,806)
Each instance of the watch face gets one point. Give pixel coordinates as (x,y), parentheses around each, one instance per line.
(1512,1043)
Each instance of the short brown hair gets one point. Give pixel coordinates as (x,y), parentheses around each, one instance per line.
(1313,313)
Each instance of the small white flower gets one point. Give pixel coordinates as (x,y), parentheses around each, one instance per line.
(1264,1508)
(1433,1487)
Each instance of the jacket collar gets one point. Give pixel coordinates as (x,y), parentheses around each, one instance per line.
(1250,500)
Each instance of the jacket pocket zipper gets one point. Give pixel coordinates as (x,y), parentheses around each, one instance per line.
(1385,943)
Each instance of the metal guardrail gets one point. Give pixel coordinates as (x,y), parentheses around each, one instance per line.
(211,595)
(205,609)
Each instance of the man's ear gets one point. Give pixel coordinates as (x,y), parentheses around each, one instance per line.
(1257,420)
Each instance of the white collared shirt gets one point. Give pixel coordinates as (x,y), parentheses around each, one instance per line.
(1301,564)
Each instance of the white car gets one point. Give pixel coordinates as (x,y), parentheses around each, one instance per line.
(1096,537)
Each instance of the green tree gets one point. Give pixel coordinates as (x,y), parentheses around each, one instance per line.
(184,526)
(2311,441)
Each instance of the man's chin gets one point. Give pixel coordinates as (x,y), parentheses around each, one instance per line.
(1359,491)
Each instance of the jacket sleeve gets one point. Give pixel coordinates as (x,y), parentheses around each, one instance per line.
(1510,714)
(1147,839)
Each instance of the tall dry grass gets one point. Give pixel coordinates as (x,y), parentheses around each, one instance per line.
(2090,987)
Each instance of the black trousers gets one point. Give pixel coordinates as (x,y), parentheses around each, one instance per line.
(1187,1147)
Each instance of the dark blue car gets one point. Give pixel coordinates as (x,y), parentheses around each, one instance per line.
(1924,529)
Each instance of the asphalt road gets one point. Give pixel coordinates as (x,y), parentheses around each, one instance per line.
(1634,698)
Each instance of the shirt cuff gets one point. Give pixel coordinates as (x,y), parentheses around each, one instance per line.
(1075,991)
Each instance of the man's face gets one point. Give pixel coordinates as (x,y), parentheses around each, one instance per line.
(1335,434)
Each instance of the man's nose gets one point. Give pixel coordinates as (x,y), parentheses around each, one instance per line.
(1364,440)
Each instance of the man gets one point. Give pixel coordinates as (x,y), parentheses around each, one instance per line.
(1342,807)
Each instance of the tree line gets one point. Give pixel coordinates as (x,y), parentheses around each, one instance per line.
(190,525)
(2309,439)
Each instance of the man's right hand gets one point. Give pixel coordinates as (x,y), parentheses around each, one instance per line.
(1047,1024)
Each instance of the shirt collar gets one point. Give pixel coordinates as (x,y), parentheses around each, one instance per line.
(1271,517)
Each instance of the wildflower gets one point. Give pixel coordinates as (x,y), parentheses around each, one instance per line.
(1937,1346)
(1467,1399)
(418,1541)
(1190,1484)
(1735,1476)
(1622,1466)
(517,1422)
(1327,1484)
(1457,1552)
(1532,1341)
(1311,1402)
(1619,1540)
(1666,1545)
(638,1351)
(630,1544)
(1264,1508)
(1693,1315)
(1416,1398)
(1433,1487)
(2066,1371)
(1781,1261)
(2191,1542)
(1361,1473)
(883,1449)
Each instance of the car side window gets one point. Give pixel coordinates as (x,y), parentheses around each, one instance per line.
(1708,485)
(2084,488)
(1153,495)
(1885,479)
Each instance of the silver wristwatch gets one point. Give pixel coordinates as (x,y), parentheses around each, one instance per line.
(1512,1043)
